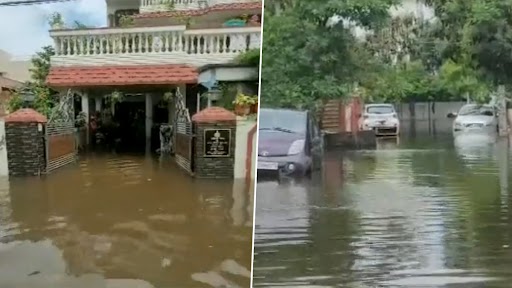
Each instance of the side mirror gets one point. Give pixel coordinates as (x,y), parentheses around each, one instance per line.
(451,115)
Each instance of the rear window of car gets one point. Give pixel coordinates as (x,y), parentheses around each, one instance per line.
(384,109)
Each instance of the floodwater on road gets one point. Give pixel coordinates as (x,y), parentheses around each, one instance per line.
(429,211)
(124,221)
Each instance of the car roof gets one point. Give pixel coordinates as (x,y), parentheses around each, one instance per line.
(478,105)
(379,104)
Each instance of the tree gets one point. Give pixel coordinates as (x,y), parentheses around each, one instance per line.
(310,55)
(45,98)
(479,33)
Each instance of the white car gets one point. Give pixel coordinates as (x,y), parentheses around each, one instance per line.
(381,118)
(475,118)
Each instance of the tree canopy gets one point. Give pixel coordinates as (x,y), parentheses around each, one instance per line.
(316,50)
(44,98)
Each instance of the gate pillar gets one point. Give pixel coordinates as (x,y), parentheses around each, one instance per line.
(24,136)
(215,142)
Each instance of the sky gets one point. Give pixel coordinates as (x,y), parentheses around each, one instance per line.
(24,29)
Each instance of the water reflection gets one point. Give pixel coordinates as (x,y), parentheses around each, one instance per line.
(421,213)
(116,218)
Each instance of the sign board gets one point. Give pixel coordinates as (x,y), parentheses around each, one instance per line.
(217,143)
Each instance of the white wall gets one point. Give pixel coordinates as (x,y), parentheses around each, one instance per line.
(243,127)
(3,150)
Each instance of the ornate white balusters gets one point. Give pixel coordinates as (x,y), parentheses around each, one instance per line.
(57,44)
(167,35)
(179,41)
(187,41)
(146,43)
(156,42)
(68,45)
(132,46)
(211,44)
(87,39)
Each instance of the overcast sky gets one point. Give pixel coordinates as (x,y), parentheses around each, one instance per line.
(24,29)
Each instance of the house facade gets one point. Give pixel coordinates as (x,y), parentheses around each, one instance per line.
(150,49)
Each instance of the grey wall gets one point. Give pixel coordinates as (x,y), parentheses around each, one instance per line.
(427,111)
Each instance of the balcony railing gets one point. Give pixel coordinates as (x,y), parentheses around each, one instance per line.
(163,5)
(172,44)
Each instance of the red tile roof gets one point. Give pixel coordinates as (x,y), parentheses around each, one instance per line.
(86,76)
(214,114)
(198,12)
(25,115)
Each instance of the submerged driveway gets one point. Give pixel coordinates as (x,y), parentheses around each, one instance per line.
(425,212)
(124,221)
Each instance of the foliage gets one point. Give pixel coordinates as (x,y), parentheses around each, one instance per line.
(169,4)
(80,25)
(125,21)
(309,57)
(81,119)
(45,98)
(56,20)
(250,57)
(245,100)
(168,96)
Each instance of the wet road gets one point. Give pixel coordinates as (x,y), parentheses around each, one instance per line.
(427,212)
(124,221)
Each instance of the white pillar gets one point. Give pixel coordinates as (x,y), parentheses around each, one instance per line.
(85,109)
(98,102)
(149,116)
(238,211)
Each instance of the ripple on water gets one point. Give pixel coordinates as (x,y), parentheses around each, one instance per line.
(400,218)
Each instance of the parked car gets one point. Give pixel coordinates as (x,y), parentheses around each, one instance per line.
(381,118)
(475,118)
(290,143)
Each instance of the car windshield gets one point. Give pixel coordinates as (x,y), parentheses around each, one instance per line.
(476,110)
(383,109)
(287,121)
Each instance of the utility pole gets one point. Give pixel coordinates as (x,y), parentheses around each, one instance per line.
(502,111)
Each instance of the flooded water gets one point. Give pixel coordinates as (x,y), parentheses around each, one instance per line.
(124,221)
(430,211)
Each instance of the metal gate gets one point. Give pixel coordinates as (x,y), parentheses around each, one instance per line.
(60,139)
(184,136)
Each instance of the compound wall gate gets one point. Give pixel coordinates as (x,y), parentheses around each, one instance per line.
(60,138)
(184,136)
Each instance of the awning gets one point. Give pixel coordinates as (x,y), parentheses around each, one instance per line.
(89,76)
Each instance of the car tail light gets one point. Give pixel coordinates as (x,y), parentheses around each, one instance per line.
(365,116)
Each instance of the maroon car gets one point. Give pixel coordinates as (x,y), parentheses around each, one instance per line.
(289,143)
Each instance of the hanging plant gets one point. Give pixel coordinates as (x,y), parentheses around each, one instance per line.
(56,21)
(243,104)
(168,96)
(114,98)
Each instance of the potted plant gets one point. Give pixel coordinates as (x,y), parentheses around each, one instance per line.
(56,22)
(243,104)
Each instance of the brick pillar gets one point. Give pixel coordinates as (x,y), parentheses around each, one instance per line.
(24,135)
(214,147)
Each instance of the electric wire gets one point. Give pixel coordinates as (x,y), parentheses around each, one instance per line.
(30,2)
